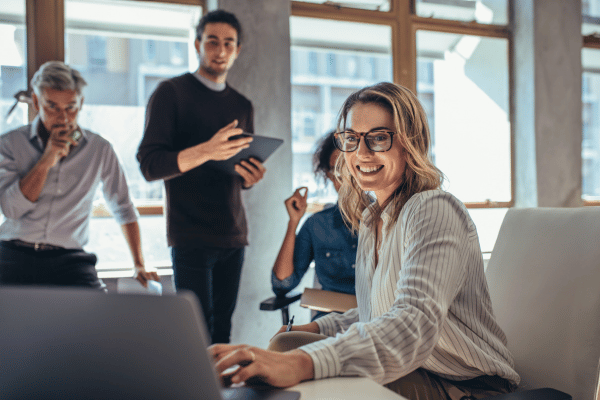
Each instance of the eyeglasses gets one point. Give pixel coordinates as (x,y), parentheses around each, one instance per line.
(53,110)
(377,140)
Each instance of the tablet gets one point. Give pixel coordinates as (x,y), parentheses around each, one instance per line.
(260,148)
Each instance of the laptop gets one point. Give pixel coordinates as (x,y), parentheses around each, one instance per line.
(83,344)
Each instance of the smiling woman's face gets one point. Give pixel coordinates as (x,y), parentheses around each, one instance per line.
(379,172)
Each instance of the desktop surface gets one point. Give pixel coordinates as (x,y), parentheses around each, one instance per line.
(347,388)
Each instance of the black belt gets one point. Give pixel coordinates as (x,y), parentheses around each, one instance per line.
(36,246)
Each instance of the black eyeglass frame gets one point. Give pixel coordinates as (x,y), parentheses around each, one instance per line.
(362,134)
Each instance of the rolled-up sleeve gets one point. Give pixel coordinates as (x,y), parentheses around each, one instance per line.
(115,189)
(304,254)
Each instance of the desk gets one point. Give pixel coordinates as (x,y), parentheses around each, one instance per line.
(344,389)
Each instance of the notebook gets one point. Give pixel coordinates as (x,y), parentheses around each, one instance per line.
(327,301)
(260,148)
(83,344)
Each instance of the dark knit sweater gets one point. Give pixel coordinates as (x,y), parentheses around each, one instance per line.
(204,206)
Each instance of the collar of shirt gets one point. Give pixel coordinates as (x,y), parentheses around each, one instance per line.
(214,86)
(34,137)
(386,215)
(337,217)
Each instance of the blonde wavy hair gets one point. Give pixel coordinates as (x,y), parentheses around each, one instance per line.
(412,132)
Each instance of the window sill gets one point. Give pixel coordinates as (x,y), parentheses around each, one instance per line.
(125,269)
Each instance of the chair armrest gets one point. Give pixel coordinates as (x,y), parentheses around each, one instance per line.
(535,394)
(278,302)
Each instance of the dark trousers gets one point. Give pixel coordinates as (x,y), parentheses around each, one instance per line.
(213,274)
(58,267)
(424,385)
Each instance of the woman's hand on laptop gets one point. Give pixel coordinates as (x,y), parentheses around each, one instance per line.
(254,365)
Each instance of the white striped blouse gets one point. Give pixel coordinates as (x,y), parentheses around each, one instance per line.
(424,305)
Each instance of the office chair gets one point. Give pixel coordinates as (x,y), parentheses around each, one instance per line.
(544,281)
(281,303)
(313,298)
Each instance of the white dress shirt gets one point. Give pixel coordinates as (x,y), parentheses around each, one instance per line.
(424,305)
(61,215)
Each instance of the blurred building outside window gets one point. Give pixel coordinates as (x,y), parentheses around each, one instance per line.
(463,84)
(374,5)
(590,96)
(124,49)
(329,61)
(480,11)
(13,63)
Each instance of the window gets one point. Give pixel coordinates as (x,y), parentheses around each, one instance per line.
(123,58)
(13,66)
(463,81)
(480,11)
(591,126)
(124,49)
(590,10)
(330,60)
(375,5)
(452,53)
(590,96)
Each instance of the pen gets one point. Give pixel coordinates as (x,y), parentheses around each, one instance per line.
(289,327)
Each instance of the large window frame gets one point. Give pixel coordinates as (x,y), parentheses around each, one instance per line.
(404,24)
(45,32)
(591,41)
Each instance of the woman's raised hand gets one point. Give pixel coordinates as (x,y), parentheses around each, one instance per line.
(296,204)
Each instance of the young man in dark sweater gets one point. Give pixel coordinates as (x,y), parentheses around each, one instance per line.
(189,121)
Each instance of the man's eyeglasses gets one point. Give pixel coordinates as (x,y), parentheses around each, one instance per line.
(377,140)
(52,109)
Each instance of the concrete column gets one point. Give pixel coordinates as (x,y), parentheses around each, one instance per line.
(547,102)
(262,73)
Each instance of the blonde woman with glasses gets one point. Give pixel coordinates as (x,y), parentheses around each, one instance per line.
(424,325)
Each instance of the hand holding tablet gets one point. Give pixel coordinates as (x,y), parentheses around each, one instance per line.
(260,148)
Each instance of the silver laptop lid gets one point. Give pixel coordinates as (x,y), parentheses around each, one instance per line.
(70,344)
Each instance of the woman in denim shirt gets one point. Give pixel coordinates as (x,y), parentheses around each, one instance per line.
(324,237)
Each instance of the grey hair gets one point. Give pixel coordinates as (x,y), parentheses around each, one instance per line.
(58,76)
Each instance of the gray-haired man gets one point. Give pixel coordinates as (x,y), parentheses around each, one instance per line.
(49,173)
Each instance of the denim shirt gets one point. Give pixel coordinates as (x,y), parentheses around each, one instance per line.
(325,239)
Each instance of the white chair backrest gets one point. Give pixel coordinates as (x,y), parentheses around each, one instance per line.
(544,280)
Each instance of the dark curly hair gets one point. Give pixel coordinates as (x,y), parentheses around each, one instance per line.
(323,151)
